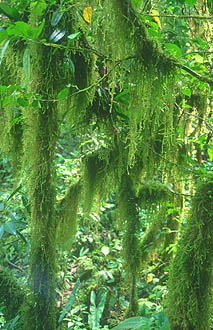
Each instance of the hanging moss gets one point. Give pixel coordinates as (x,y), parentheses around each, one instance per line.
(11,130)
(150,77)
(94,175)
(190,279)
(67,216)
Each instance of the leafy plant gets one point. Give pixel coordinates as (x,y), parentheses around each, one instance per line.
(158,321)
(70,302)
(96,308)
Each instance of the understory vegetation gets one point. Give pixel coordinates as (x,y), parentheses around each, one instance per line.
(106,155)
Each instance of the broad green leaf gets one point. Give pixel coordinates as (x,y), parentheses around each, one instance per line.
(23,103)
(56,17)
(40,7)
(201,43)
(187,91)
(22,29)
(63,93)
(3,50)
(73,35)
(57,35)
(9,227)
(1,231)
(102,299)
(26,63)
(10,12)
(191,3)
(70,301)
(173,49)
(38,30)
(137,3)
(133,323)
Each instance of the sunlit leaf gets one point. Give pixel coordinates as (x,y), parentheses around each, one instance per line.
(87,14)
(73,35)
(22,29)
(210,153)
(63,93)
(187,91)
(149,278)
(173,49)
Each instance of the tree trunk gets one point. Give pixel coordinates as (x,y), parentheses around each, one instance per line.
(190,279)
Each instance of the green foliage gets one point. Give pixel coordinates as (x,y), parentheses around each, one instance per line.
(12,295)
(158,322)
(69,302)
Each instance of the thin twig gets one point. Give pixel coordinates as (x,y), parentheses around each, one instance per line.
(15,266)
(195,74)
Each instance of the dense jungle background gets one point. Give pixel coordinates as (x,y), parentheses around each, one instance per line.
(106,158)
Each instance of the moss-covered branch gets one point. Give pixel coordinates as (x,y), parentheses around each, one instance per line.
(128,210)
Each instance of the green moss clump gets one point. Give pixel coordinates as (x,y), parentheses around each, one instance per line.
(94,176)
(152,194)
(190,279)
(67,216)
(12,294)
(11,129)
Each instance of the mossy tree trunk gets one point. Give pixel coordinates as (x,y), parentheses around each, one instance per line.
(39,308)
(128,209)
(190,279)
